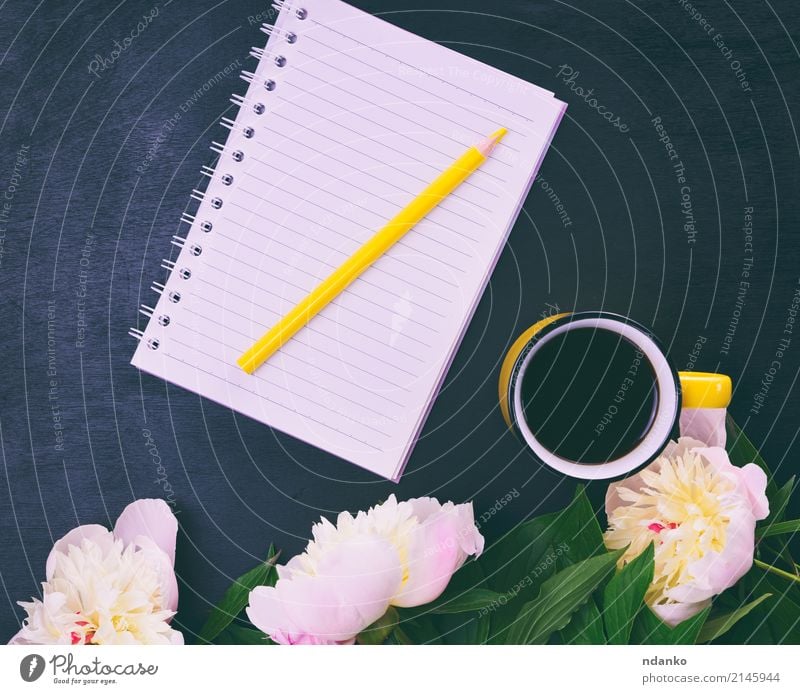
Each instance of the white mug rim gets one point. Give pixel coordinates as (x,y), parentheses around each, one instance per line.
(667,409)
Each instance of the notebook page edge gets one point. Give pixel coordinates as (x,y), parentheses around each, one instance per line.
(448,362)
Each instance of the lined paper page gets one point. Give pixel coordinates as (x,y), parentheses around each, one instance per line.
(361,118)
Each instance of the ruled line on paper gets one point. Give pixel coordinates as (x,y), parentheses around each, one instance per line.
(263,396)
(346,347)
(350,184)
(438,99)
(360,281)
(393,183)
(307,289)
(386,107)
(295,392)
(336,303)
(288,355)
(283,135)
(297,214)
(322,317)
(402,62)
(403,243)
(378,268)
(379,218)
(243,344)
(405,155)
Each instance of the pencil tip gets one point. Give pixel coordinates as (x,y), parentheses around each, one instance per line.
(498,134)
(486,145)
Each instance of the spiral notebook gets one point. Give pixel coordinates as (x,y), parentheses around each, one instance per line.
(346,118)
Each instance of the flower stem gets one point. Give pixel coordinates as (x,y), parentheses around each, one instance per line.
(775,570)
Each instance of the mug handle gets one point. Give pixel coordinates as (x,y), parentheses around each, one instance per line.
(702,390)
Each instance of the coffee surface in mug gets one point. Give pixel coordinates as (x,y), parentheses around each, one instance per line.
(589,395)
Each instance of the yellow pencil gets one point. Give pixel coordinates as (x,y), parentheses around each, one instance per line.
(365,256)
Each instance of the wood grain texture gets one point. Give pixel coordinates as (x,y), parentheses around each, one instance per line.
(96,167)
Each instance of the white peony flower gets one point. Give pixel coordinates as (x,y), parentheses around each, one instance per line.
(109,588)
(397,553)
(701,513)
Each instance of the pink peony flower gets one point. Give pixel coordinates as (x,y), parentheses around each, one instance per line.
(401,554)
(704,424)
(701,513)
(109,588)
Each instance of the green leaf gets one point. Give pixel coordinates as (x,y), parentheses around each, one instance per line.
(560,597)
(779,502)
(714,628)
(792,526)
(466,602)
(420,630)
(377,632)
(783,615)
(579,535)
(235,635)
(585,627)
(463,629)
(478,630)
(624,595)
(399,637)
(237,595)
(649,630)
(506,562)
(532,552)
(775,622)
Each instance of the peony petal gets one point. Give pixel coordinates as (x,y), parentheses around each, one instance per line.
(718,571)
(437,548)
(366,572)
(350,589)
(96,533)
(755,480)
(469,537)
(151,518)
(18,639)
(265,611)
(750,479)
(164,567)
(175,637)
(679,448)
(635,483)
(704,424)
(676,612)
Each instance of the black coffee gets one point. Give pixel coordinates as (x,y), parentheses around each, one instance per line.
(589,395)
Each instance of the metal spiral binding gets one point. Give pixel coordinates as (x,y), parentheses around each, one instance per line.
(285,34)
(259,53)
(241,101)
(194,248)
(299,12)
(236,154)
(225,177)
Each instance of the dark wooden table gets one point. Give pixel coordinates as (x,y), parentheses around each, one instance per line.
(99,150)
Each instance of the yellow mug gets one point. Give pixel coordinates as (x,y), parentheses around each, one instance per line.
(594,396)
